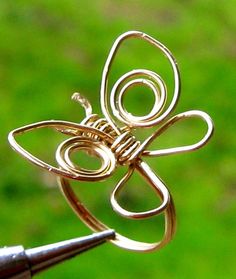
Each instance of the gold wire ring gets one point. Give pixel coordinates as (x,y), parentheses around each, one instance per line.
(94,224)
(114,145)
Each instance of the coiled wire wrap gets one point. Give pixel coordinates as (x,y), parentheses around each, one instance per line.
(121,87)
(101,137)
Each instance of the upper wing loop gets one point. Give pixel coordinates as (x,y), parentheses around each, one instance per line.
(117,110)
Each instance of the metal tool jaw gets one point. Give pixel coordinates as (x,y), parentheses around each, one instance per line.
(18,263)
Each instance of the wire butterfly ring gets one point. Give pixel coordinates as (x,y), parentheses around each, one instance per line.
(116,145)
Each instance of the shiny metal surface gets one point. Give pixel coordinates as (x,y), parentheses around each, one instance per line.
(115,145)
(18,263)
(14,263)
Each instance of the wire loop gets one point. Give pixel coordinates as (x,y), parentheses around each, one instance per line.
(121,114)
(141,77)
(92,147)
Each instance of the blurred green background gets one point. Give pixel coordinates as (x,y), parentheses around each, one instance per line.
(50,49)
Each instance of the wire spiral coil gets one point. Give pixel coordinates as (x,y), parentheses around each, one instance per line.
(114,145)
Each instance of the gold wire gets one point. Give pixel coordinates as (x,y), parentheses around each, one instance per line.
(101,137)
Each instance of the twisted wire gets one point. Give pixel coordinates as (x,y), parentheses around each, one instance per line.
(124,145)
(101,124)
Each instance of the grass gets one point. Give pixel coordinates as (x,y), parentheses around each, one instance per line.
(50,49)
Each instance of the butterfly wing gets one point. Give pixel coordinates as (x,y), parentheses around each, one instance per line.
(153,181)
(187,148)
(66,167)
(137,77)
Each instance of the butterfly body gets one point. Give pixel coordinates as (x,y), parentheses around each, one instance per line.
(123,144)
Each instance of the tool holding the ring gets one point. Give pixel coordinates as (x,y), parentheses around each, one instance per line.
(18,263)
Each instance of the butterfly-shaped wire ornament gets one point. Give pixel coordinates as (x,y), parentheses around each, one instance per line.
(117,145)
